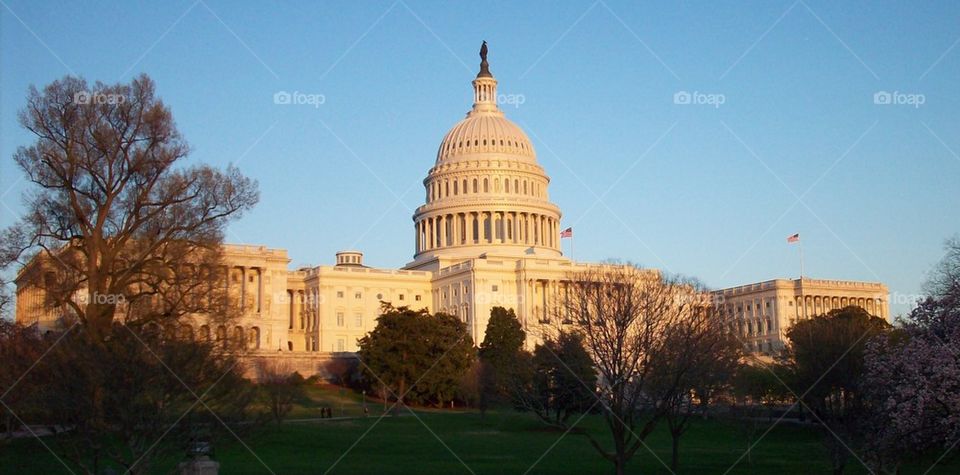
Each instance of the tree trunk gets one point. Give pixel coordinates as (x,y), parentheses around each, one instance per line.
(620,465)
(99,319)
(675,456)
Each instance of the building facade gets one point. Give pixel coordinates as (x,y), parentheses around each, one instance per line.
(762,312)
(487,235)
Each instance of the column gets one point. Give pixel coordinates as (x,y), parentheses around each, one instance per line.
(290,308)
(443,230)
(455,229)
(487,226)
(526,228)
(501,227)
(243,289)
(471,227)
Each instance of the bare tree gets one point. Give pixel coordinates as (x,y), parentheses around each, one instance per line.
(625,315)
(698,359)
(945,276)
(114,219)
(125,243)
(280,386)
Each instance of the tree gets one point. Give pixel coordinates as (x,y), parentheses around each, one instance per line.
(624,314)
(752,387)
(280,387)
(114,219)
(826,357)
(5,299)
(20,347)
(416,356)
(945,276)
(500,356)
(140,397)
(564,379)
(699,358)
(124,242)
(912,378)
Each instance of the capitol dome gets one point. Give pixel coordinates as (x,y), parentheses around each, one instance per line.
(486,193)
(485,132)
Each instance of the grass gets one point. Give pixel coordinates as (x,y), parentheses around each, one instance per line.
(462,442)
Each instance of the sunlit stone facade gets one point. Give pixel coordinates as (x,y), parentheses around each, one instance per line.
(762,312)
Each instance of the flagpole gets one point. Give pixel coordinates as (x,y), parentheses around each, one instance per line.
(801,259)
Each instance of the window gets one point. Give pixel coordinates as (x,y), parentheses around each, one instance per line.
(495,287)
(401,296)
(339,294)
(340,344)
(417,298)
(379,296)
(339,319)
(358,295)
(358,320)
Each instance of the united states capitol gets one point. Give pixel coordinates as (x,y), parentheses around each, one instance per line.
(487,235)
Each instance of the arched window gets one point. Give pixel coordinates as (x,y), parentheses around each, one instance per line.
(486,185)
(238,336)
(506,185)
(475,185)
(456,187)
(254,336)
(524,186)
(496,185)
(446,186)
(464,187)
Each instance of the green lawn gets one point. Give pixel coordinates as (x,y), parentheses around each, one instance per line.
(445,442)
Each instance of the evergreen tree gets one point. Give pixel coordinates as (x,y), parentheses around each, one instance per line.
(564,378)
(419,357)
(501,357)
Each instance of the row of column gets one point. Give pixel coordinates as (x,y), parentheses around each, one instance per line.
(486,227)
(300,312)
(447,188)
(248,301)
(810,305)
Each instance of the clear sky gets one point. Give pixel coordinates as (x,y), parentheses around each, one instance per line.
(798,144)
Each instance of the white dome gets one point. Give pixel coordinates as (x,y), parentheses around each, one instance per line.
(485,132)
(486,194)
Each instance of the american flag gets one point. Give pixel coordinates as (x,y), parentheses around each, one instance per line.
(794,238)
(566,233)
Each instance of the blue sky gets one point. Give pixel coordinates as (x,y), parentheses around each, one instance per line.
(798,144)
